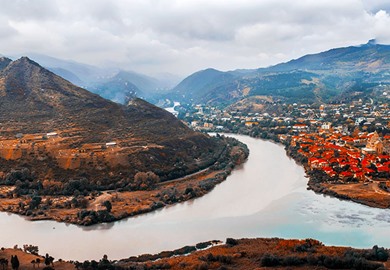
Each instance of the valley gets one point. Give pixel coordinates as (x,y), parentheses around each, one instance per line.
(344,148)
(71,156)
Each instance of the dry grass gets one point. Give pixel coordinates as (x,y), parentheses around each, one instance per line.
(26,258)
(247,254)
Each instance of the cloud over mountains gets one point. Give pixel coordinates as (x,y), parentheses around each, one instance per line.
(184,36)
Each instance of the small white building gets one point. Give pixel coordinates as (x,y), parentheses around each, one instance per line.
(326,125)
(194,123)
(51,134)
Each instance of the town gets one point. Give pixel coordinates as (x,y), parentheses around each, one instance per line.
(346,144)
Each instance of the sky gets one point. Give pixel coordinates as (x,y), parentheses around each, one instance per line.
(184,36)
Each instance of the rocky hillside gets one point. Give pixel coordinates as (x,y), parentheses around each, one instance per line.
(54,129)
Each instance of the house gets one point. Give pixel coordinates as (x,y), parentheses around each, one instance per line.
(374,144)
(298,127)
(208,125)
(317,163)
(251,124)
(194,123)
(326,126)
(51,134)
(111,144)
(282,137)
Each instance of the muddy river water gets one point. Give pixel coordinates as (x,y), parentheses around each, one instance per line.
(266,197)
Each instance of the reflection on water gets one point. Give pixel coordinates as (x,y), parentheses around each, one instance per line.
(266,197)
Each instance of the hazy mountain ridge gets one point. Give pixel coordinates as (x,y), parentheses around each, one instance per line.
(322,77)
(71,69)
(368,57)
(126,84)
(111,83)
(198,85)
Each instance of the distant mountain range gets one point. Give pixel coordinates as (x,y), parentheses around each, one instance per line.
(111,83)
(336,75)
(33,100)
(332,76)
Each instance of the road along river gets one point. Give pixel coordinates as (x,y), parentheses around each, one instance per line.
(266,197)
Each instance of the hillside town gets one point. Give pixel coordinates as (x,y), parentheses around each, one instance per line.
(347,142)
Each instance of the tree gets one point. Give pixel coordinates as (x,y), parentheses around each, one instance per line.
(35,201)
(15,262)
(4,263)
(31,249)
(38,261)
(146,180)
(104,263)
(108,205)
(49,260)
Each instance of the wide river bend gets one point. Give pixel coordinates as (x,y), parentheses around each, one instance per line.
(266,197)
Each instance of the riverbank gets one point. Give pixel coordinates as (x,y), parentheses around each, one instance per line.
(258,253)
(108,206)
(369,193)
(259,199)
(364,192)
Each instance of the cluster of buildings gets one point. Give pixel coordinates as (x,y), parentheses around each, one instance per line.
(293,117)
(343,157)
(346,141)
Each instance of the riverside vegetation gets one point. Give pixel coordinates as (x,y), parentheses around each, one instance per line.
(85,203)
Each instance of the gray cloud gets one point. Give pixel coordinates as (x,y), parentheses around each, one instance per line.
(376,5)
(184,36)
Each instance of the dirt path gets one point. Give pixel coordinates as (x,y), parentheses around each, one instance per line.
(184,177)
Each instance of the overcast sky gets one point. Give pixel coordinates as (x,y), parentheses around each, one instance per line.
(183,36)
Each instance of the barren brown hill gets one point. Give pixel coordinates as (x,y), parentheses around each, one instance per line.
(53,130)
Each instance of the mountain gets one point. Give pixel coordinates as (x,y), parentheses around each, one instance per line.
(197,86)
(331,76)
(127,84)
(111,83)
(75,72)
(117,89)
(56,130)
(370,57)
(168,80)
(4,62)
(67,75)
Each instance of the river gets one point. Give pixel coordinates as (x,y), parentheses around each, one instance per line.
(172,109)
(265,197)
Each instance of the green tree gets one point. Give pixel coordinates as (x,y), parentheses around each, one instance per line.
(35,201)
(146,180)
(108,205)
